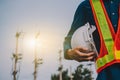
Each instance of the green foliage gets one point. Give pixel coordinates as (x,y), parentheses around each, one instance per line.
(64,76)
(80,73)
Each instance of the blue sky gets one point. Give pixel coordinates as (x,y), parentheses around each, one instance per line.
(52,18)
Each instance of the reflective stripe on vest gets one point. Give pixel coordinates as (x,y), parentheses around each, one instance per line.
(107,36)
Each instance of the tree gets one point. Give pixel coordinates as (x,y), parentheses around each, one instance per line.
(82,73)
(64,76)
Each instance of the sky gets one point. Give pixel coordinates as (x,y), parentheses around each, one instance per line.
(51,18)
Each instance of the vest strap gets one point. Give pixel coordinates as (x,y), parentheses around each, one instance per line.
(109,47)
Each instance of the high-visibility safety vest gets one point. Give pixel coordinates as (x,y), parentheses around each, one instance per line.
(110,41)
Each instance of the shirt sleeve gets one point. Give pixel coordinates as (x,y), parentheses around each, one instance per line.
(79,20)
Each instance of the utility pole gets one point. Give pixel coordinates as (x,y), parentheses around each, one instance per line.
(60,65)
(37,61)
(16,57)
(71,76)
(90,64)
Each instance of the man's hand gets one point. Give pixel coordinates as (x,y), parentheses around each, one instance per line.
(81,54)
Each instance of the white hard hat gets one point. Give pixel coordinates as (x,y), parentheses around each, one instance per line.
(82,37)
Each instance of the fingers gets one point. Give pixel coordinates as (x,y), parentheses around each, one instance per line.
(83,57)
(82,54)
(77,55)
(81,49)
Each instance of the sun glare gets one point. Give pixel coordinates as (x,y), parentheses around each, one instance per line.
(31,43)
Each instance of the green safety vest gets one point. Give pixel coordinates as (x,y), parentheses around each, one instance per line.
(110,41)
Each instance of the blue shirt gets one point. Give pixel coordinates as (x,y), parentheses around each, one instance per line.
(83,15)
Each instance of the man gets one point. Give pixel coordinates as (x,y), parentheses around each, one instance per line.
(86,12)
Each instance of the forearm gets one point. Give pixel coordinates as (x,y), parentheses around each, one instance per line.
(67,46)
